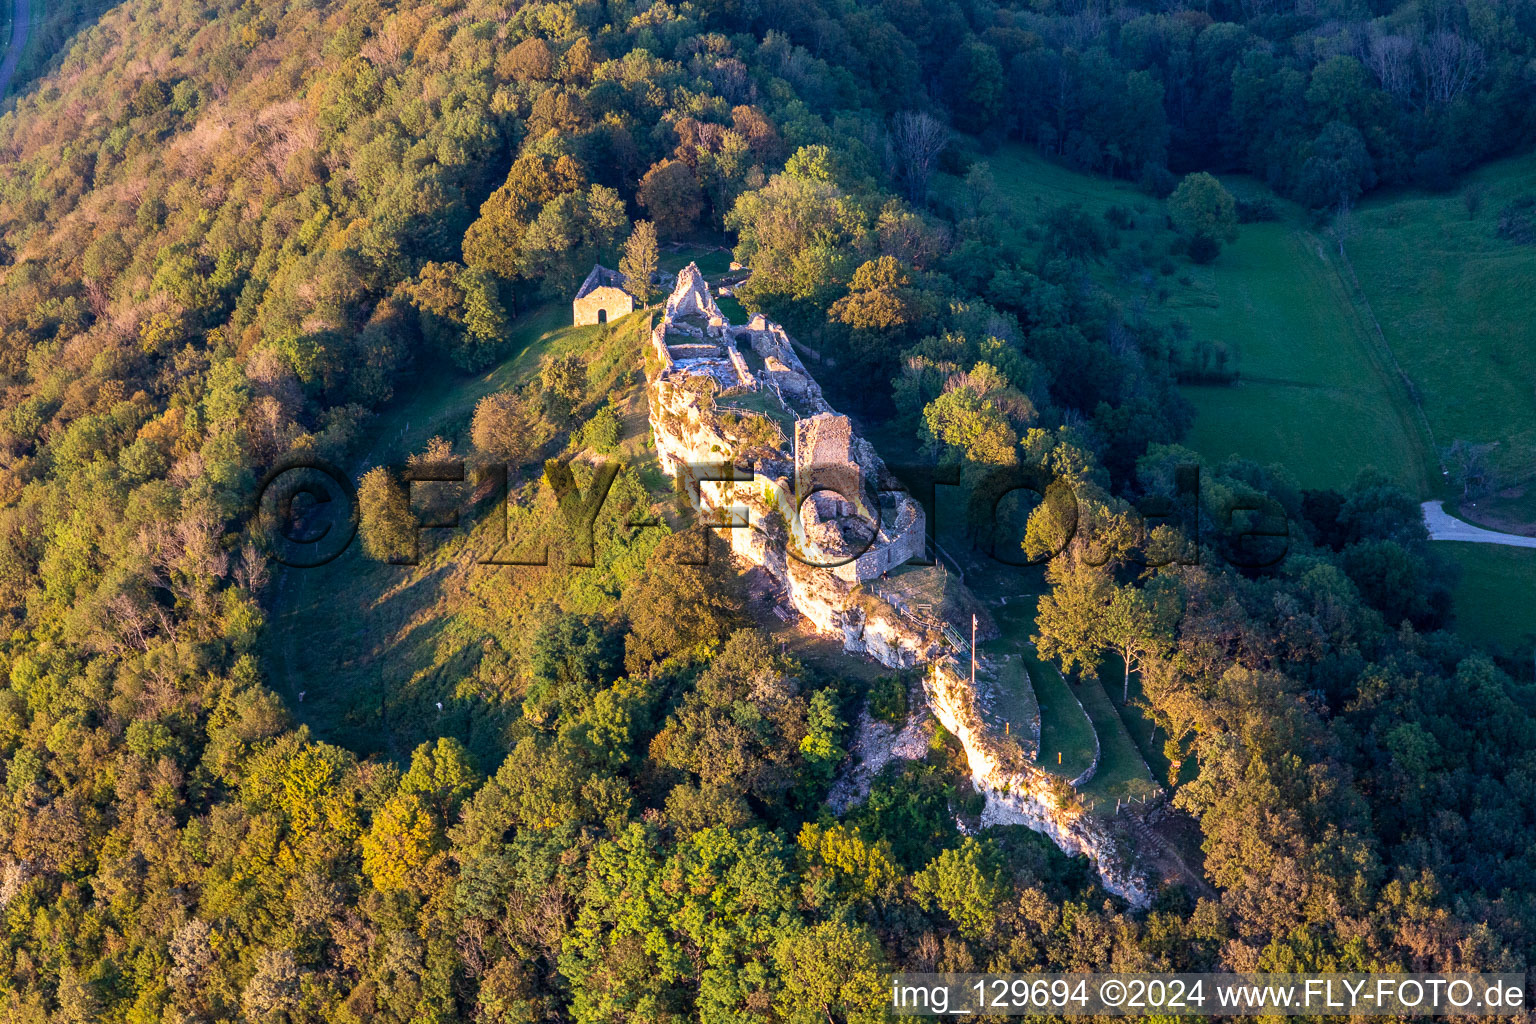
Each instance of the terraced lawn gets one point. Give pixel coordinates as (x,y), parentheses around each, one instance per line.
(1006,693)
(1122,771)
(1066,735)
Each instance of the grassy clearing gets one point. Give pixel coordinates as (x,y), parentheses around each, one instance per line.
(1007,691)
(1496,594)
(380,653)
(439,400)
(734,311)
(1032,185)
(1319,394)
(1313,397)
(1455,302)
(1066,734)
(1072,716)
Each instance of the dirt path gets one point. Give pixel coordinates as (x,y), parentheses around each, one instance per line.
(21,28)
(1444,526)
(1404,393)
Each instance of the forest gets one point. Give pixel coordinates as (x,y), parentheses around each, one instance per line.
(233,232)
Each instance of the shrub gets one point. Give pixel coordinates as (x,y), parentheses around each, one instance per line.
(385,521)
(1157,181)
(1203,249)
(1472,199)
(888,700)
(1517,221)
(602,431)
(1252,211)
(1202,206)
(505,427)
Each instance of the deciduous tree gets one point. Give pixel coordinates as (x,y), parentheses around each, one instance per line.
(671,195)
(917,139)
(1070,619)
(639,262)
(1205,212)
(386,523)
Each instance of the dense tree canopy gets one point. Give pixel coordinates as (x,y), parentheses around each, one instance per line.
(230,232)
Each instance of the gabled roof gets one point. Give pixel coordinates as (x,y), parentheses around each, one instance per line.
(601,277)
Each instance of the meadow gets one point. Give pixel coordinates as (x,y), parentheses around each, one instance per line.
(1455,302)
(1313,395)
(380,651)
(1495,595)
(1321,392)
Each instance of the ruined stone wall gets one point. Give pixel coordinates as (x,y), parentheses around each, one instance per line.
(688,434)
(906,542)
(659,345)
(690,297)
(743,374)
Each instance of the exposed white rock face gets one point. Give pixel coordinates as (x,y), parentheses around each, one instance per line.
(1020,794)
(698,368)
(875,745)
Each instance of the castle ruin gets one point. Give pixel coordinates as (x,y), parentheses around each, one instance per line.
(810,501)
(745,430)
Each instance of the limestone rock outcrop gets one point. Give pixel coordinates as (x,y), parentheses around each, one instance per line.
(759,452)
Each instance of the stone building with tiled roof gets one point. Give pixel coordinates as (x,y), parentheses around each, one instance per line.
(601,298)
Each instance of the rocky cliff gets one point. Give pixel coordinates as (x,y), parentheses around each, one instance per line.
(1018,793)
(719,428)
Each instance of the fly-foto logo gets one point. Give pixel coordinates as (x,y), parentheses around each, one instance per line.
(308,512)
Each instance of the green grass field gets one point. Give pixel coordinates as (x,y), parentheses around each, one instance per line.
(1313,396)
(1319,393)
(1070,716)
(1495,599)
(712,260)
(1031,185)
(1456,304)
